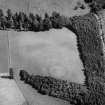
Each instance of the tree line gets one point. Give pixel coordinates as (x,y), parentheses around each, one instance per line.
(33,22)
(22,22)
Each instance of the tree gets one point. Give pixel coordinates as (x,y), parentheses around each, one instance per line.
(21,20)
(36,25)
(1,13)
(31,21)
(31,17)
(56,20)
(88,1)
(41,28)
(95,5)
(2,20)
(38,17)
(9,18)
(15,20)
(40,21)
(79,5)
(9,14)
(26,23)
(47,24)
(11,72)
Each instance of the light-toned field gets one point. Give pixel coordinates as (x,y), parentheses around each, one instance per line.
(10,93)
(52,53)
